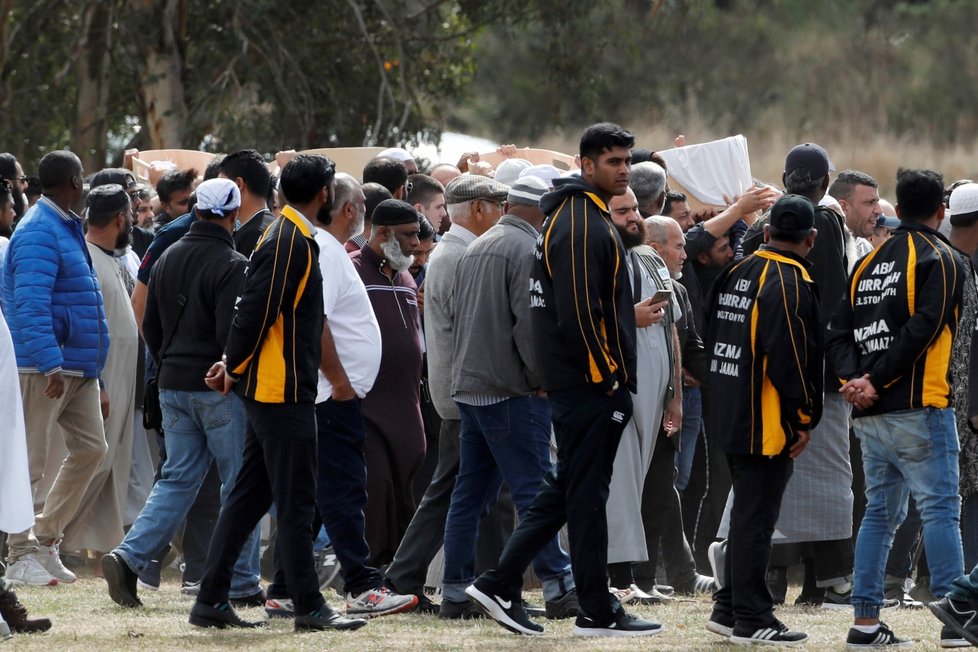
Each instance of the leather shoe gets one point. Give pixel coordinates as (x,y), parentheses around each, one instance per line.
(219,616)
(121,580)
(326,618)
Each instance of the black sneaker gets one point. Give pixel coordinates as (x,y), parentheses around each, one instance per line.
(220,616)
(563,607)
(249,601)
(775,634)
(810,599)
(460,610)
(624,624)
(508,613)
(121,580)
(950,638)
(425,605)
(326,618)
(835,600)
(959,616)
(881,638)
(149,579)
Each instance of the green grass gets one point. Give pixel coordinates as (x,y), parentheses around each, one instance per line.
(85,620)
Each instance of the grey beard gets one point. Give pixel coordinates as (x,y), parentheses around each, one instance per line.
(395,257)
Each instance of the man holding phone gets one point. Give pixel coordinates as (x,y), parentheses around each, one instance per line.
(656,403)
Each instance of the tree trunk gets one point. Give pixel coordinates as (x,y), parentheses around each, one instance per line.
(91,126)
(161,72)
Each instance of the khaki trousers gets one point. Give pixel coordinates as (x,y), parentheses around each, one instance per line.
(79,414)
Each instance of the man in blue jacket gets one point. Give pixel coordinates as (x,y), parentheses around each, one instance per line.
(61,339)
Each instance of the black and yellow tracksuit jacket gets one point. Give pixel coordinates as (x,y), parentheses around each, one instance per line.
(765,345)
(275,340)
(899,320)
(582,308)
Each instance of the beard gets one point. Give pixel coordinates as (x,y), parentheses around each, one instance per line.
(631,240)
(325,213)
(123,240)
(396,258)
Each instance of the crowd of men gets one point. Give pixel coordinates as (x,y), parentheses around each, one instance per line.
(424,356)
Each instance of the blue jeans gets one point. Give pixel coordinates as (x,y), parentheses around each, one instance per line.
(506,441)
(692,425)
(200,427)
(907,452)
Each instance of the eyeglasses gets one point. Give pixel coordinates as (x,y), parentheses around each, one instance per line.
(498,204)
(22,178)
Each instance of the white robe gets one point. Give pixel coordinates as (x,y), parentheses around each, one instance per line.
(626,534)
(16,507)
(99,521)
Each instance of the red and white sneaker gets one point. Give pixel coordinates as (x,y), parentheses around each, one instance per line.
(379,602)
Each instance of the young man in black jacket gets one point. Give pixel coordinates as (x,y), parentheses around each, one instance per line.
(583,317)
(890,344)
(766,359)
(271,359)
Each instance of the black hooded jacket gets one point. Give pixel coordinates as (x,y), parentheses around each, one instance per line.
(581,302)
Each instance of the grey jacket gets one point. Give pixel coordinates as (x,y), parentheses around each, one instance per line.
(493,337)
(439,320)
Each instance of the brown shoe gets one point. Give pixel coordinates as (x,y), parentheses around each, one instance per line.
(15,614)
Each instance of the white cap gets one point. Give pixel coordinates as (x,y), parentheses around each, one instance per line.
(220,196)
(396,153)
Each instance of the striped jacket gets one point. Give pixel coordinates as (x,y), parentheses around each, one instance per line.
(898,321)
(275,340)
(581,303)
(764,340)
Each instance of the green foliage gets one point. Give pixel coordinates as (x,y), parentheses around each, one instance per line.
(274,75)
(814,68)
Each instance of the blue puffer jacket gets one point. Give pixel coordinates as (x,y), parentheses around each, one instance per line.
(52,297)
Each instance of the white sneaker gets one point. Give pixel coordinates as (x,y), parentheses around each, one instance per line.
(50,558)
(27,571)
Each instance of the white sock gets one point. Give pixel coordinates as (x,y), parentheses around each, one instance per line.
(867,629)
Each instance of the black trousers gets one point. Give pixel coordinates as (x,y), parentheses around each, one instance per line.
(278,466)
(758,485)
(662,517)
(341,495)
(588,427)
(426,533)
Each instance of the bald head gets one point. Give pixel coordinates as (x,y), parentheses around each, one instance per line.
(658,229)
(666,236)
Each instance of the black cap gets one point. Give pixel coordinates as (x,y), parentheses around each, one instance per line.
(809,157)
(391,212)
(121,176)
(793,213)
(107,199)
